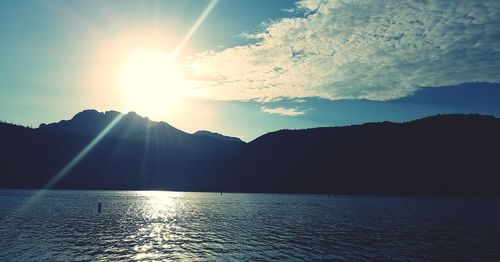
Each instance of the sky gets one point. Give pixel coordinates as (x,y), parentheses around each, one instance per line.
(244,68)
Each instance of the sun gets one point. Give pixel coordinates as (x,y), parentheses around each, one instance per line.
(152,83)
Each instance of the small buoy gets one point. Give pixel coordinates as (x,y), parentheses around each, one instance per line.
(99,207)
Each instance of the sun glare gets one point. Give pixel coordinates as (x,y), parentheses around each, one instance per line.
(152,83)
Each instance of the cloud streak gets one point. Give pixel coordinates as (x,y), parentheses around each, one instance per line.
(282,111)
(357,49)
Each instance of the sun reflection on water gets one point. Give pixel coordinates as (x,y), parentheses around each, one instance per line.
(160,227)
(162,204)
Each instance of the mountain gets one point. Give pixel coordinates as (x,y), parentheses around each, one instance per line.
(133,127)
(439,155)
(217,136)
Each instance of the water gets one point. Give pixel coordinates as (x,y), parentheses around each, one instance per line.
(133,225)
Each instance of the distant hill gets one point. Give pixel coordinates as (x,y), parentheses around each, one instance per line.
(446,154)
(217,136)
(439,155)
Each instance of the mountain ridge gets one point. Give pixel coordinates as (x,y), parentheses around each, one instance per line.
(217,136)
(437,155)
(131,126)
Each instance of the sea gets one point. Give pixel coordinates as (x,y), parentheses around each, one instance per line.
(66,225)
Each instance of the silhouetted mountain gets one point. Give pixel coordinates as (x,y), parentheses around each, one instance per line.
(91,122)
(440,155)
(134,127)
(447,154)
(217,136)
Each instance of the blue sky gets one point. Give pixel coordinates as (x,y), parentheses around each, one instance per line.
(255,66)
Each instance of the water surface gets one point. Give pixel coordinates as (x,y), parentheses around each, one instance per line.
(136,225)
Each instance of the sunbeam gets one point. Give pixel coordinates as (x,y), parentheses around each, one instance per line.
(82,153)
(193,29)
(71,164)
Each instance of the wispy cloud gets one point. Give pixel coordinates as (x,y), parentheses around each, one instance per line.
(283,111)
(357,49)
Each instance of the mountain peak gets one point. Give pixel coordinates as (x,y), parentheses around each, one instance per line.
(217,136)
(112,113)
(88,113)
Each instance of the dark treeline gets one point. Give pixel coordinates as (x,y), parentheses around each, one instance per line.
(440,155)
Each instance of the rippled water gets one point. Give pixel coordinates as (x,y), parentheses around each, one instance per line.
(65,225)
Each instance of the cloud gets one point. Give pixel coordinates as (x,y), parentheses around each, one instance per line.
(299,100)
(358,49)
(283,111)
